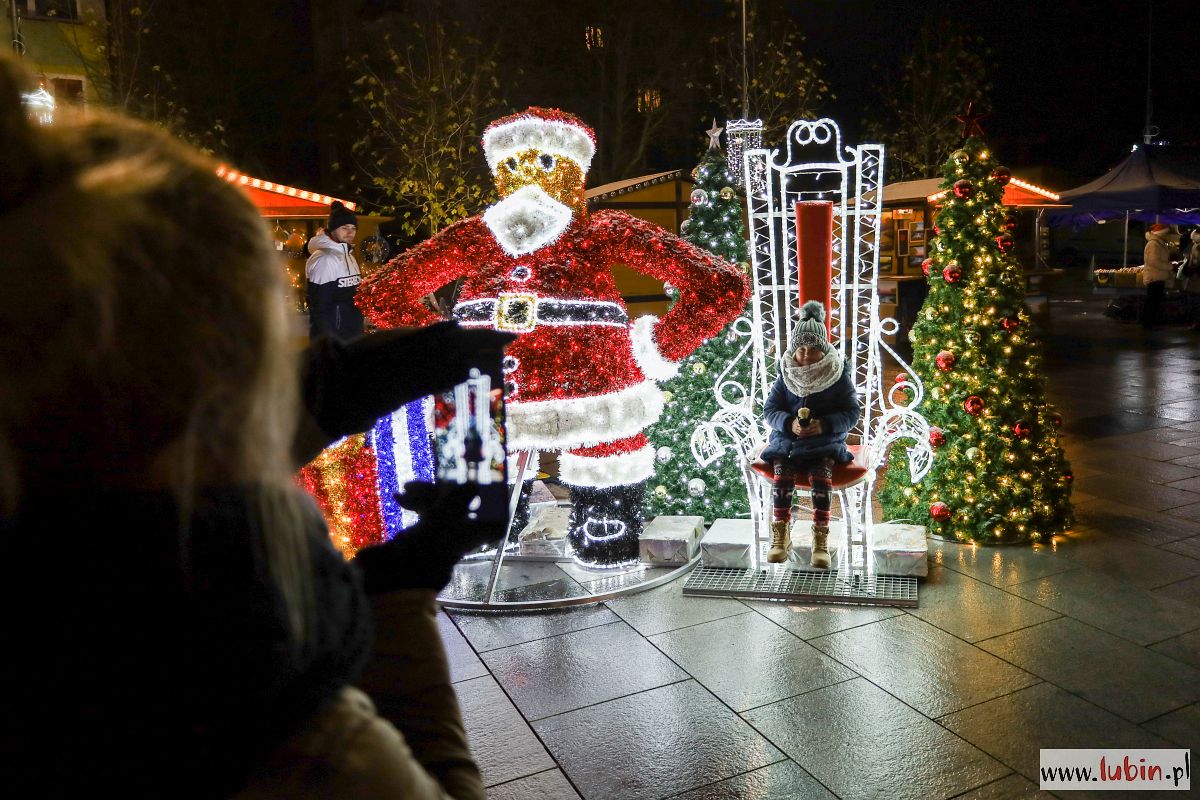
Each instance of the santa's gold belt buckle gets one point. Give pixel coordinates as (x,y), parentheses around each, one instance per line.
(516,312)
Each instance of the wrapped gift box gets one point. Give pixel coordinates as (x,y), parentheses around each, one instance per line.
(546,534)
(899,549)
(727,544)
(671,541)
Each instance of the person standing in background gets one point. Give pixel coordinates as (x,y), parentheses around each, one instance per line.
(333,277)
(1160,240)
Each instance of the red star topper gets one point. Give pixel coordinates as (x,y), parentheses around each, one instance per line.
(970,121)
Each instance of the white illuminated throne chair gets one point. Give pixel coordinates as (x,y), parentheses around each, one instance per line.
(817,169)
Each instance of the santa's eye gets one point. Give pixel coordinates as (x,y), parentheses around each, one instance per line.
(511,163)
(546,161)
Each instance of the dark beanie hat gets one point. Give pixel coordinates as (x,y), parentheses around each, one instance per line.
(339,215)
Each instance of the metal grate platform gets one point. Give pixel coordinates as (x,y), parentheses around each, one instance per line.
(782,583)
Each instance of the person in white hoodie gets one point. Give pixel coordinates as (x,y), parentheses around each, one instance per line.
(333,277)
(1160,240)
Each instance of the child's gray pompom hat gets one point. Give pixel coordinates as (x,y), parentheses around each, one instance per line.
(809,330)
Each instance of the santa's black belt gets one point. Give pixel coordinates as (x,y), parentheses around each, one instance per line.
(514,311)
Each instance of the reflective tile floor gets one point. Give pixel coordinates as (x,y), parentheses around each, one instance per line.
(1090,641)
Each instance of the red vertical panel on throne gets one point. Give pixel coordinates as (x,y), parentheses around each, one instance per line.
(814,253)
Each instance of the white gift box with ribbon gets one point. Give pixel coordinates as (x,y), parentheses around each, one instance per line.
(671,541)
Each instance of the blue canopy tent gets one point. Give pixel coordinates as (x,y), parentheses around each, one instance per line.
(1149,186)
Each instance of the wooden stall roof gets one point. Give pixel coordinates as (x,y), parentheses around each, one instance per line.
(610,191)
(1018,193)
(276,200)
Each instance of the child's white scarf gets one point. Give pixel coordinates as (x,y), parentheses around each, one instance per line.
(818,377)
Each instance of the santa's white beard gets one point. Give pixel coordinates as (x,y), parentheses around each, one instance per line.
(527,219)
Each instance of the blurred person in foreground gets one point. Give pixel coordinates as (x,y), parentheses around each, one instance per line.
(179,622)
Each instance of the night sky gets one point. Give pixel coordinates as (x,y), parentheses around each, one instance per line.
(1069,76)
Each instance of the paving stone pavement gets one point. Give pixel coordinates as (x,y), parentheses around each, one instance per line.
(658,695)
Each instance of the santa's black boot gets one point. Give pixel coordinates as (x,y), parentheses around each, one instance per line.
(605,524)
(521,515)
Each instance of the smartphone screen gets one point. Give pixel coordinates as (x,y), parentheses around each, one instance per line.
(469,430)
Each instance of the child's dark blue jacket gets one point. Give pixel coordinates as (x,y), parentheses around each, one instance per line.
(838,409)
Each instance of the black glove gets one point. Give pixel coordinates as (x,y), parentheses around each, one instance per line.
(349,385)
(423,556)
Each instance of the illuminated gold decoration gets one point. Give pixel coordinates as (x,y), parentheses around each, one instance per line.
(342,480)
(648,100)
(558,177)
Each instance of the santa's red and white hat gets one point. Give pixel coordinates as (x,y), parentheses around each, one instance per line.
(546,130)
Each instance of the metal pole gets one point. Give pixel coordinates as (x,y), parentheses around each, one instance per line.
(1147,131)
(745,71)
(1125,254)
(523,460)
(1038,261)
(17,45)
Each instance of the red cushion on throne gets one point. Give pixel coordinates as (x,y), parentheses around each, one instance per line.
(844,475)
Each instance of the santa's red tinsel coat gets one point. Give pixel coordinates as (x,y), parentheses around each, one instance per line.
(581,372)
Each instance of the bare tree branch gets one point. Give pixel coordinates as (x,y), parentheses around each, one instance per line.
(946,69)
(423,101)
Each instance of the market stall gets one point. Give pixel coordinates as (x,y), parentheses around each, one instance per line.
(907,231)
(1150,185)
(295,216)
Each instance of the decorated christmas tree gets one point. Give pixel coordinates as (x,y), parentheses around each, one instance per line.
(680,485)
(998,474)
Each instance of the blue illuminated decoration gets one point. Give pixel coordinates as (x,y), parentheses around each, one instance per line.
(403,454)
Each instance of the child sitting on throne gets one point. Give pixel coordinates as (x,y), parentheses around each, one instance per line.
(811,409)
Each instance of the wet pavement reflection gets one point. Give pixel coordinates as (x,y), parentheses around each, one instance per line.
(659,695)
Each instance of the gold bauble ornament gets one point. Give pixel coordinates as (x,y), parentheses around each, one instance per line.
(660,491)
(699,368)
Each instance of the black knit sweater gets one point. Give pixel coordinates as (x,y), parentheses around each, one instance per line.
(161,651)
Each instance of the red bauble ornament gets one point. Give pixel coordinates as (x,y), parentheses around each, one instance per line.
(1010,223)
(939,511)
(1056,420)
(1068,477)
(973,405)
(937,437)
(1001,175)
(963,189)
(1021,430)
(925,265)
(901,377)
(1010,323)
(937,231)
(1006,243)
(945,360)
(952,273)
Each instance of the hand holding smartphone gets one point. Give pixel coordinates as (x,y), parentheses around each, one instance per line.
(469,426)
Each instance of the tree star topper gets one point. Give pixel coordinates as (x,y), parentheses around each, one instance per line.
(970,121)
(714,136)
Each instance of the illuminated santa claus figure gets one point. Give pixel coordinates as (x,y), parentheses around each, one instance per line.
(581,377)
